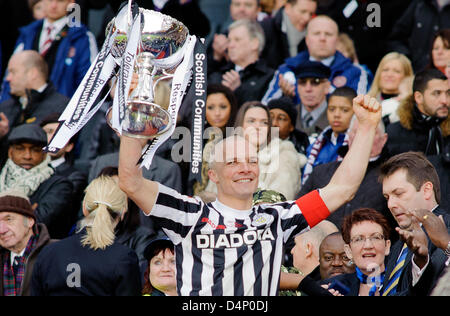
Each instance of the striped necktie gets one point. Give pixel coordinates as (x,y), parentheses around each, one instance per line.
(308,120)
(391,287)
(48,41)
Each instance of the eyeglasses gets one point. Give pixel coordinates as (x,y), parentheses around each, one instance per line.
(312,81)
(361,240)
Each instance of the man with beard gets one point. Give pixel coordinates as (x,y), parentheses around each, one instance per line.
(424,121)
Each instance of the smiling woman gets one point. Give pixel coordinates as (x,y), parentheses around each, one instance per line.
(366,235)
(159,278)
(392,69)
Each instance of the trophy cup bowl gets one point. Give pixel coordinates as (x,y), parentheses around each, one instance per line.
(160,51)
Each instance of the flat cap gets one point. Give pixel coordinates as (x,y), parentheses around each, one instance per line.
(28,133)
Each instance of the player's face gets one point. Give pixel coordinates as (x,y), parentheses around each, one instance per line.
(236,168)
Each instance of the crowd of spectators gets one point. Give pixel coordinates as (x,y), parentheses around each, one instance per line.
(284,76)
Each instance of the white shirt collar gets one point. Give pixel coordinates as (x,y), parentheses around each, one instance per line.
(58,25)
(57,162)
(226,210)
(41,89)
(14,255)
(327,61)
(316,112)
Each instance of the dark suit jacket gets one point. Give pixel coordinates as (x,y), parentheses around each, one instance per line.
(54,198)
(432,272)
(113,271)
(319,125)
(255,79)
(79,183)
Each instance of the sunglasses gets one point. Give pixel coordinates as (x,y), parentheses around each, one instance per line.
(312,81)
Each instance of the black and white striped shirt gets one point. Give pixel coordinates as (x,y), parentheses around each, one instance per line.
(220,251)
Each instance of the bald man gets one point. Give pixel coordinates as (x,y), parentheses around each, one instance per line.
(321,40)
(229,247)
(33,98)
(306,254)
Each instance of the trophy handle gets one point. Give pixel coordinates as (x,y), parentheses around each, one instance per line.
(166,76)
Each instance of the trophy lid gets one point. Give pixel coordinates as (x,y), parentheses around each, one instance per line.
(164,37)
(161,35)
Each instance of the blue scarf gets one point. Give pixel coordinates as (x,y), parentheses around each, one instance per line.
(376,281)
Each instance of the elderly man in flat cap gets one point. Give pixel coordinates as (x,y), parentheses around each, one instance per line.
(27,170)
(21,240)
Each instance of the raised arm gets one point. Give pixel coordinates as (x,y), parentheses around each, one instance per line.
(142,191)
(347,178)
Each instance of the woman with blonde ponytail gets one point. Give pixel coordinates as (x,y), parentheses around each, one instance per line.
(104,205)
(91,262)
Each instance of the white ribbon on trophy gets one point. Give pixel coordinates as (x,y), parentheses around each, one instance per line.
(180,82)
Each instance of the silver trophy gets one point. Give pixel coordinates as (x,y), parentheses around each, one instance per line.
(161,49)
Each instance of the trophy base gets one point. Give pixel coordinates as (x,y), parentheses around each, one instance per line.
(145,120)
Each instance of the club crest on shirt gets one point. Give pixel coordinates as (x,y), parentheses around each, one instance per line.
(339,81)
(262,220)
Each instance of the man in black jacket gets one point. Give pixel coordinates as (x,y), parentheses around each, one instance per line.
(424,117)
(287,31)
(246,74)
(27,170)
(33,98)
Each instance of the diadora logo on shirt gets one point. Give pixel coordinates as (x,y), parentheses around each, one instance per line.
(233,240)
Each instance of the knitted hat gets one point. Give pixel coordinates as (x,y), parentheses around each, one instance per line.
(16,204)
(287,105)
